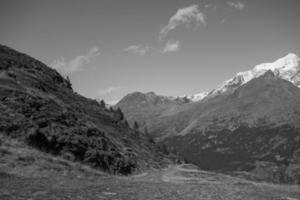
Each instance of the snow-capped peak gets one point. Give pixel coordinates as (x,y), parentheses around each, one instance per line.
(287,68)
(289,62)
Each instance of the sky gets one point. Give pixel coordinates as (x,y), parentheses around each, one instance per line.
(109,48)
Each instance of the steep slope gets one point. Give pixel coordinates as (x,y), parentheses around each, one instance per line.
(39,107)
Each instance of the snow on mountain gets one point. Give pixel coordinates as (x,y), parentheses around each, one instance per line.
(287,68)
(197,97)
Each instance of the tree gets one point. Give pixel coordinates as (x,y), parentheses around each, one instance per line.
(111,109)
(102,103)
(69,84)
(120,114)
(146,131)
(126,123)
(149,137)
(136,125)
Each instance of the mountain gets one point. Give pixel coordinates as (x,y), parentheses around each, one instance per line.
(39,108)
(287,68)
(251,123)
(158,121)
(145,108)
(267,97)
(258,123)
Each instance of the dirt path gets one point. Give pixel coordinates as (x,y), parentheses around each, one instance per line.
(182,182)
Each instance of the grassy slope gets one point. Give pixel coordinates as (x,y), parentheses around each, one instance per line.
(26,173)
(39,107)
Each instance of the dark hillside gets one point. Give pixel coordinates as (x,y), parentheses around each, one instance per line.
(39,107)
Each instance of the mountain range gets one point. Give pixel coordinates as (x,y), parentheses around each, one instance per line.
(147,108)
(252,118)
(250,123)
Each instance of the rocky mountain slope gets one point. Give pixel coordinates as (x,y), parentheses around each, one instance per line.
(39,107)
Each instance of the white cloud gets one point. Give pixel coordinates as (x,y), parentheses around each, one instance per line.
(171,46)
(184,16)
(236,5)
(108,90)
(76,64)
(138,49)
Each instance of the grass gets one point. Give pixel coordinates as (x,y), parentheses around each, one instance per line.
(26,173)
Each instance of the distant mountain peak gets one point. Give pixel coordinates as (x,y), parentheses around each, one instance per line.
(288,62)
(287,67)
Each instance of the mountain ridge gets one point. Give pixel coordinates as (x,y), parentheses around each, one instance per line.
(287,67)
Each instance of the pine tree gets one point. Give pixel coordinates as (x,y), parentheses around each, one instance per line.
(111,109)
(69,84)
(126,123)
(136,125)
(120,114)
(147,134)
(102,103)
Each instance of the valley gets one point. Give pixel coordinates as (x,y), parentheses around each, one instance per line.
(57,144)
(149,100)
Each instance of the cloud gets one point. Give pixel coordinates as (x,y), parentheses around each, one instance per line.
(138,49)
(184,16)
(171,46)
(236,5)
(76,64)
(108,90)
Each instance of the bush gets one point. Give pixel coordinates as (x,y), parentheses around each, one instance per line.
(86,144)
